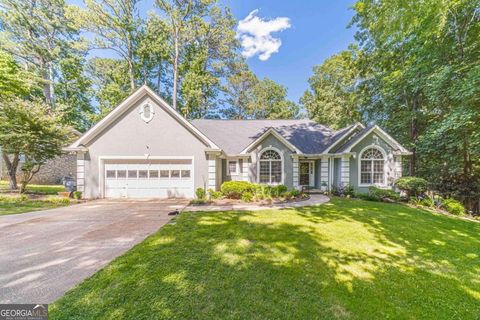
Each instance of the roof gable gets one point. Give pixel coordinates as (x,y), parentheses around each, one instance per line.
(123,107)
(347,147)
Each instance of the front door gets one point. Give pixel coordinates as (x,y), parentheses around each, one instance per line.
(306,173)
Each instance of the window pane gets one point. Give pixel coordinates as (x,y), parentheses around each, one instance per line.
(153,174)
(164,174)
(142,174)
(111,174)
(121,174)
(378,178)
(264,172)
(366,166)
(175,173)
(366,178)
(232,166)
(276,171)
(378,166)
(132,174)
(185,173)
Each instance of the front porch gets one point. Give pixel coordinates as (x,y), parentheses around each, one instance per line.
(320,174)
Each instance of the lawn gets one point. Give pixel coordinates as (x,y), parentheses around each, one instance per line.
(27,206)
(348,259)
(36,188)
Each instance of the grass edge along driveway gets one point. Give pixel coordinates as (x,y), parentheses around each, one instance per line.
(348,259)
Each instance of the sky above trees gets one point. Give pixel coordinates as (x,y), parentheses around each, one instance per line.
(308,32)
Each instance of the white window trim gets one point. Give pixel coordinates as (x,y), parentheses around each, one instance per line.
(237,169)
(281,159)
(359,167)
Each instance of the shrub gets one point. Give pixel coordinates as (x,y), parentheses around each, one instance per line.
(235,189)
(198,201)
(427,202)
(262,191)
(287,195)
(214,194)
(343,191)
(367,197)
(295,193)
(200,193)
(383,194)
(58,200)
(77,195)
(278,190)
(413,186)
(13,199)
(247,196)
(453,206)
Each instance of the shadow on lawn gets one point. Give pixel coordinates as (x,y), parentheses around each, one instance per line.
(340,260)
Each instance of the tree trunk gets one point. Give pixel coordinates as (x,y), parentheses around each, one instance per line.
(414,137)
(175,72)
(12,166)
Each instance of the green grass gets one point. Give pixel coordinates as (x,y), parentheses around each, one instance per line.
(26,206)
(348,259)
(36,188)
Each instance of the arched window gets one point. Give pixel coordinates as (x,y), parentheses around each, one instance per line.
(372,166)
(270,167)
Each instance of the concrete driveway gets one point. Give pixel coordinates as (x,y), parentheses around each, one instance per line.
(45,253)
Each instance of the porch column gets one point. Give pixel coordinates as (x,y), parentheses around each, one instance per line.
(81,171)
(245,169)
(324,185)
(345,171)
(212,171)
(296,181)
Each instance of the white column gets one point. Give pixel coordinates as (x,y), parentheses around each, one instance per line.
(81,171)
(245,169)
(345,171)
(212,172)
(296,181)
(324,173)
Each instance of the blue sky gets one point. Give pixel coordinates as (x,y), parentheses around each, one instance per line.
(317,29)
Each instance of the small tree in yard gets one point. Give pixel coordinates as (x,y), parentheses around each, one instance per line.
(31,129)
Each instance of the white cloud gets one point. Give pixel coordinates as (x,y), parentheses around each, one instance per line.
(255,35)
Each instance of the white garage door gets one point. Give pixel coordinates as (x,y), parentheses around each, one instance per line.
(157,179)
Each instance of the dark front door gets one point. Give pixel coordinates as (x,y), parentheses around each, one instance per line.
(305,171)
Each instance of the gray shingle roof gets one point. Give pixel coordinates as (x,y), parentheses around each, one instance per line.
(233,136)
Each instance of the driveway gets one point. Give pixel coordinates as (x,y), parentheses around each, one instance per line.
(45,253)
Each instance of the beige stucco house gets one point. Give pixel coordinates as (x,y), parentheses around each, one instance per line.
(144,148)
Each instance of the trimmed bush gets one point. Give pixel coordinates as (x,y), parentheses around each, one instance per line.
(383,194)
(235,189)
(413,186)
(453,206)
(367,197)
(13,199)
(279,190)
(247,196)
(200,193)
(214,194)
(77,195)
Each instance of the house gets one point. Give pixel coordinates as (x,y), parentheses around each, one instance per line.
(144,148)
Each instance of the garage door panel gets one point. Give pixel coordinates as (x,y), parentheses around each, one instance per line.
(169,178)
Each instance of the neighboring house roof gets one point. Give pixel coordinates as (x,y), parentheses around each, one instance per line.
(78,145)
(234,136)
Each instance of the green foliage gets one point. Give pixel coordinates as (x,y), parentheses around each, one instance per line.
(214,194)
(13,199)
(198,201)
(32,129)
(58,200)
(453,206)
(235,189)
(383,194)
(413,186)
(200,193)
(295,193)
(278,190)
(77,195)
(247,196)
(346,190)
(332,99)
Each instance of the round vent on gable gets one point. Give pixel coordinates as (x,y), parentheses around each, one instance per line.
(146,112)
